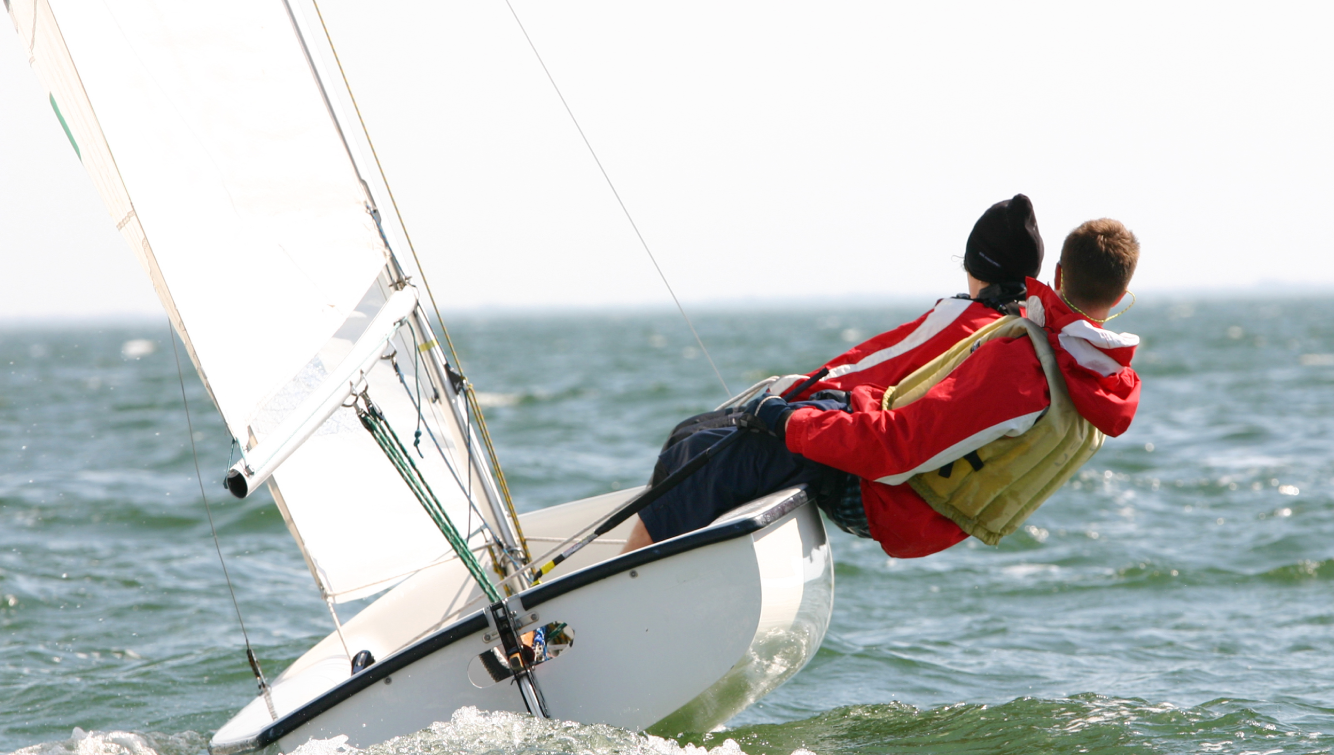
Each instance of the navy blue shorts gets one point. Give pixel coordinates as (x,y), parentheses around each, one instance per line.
(751,467)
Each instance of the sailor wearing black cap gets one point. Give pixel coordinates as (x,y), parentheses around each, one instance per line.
(1003,250)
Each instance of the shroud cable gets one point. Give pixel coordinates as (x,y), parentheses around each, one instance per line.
(619,201)
(194,453)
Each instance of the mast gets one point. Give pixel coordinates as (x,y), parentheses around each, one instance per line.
(317,45)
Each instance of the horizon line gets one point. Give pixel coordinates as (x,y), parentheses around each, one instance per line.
(1255,291)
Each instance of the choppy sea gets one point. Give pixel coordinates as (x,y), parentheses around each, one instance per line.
(1177,597)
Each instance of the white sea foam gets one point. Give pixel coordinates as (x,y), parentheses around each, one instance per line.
(488,400)
(1020,571)
(138,347)
(331,746)
(474,731)
(119,743)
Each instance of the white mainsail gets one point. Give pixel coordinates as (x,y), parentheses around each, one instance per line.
(220,158)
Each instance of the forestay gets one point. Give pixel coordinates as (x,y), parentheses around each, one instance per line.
(221,162)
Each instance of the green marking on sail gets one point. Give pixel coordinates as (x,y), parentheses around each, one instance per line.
(65,126)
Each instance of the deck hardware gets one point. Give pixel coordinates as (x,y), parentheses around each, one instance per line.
(520,622)
(506,624)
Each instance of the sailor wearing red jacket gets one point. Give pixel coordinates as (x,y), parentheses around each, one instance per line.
(998,391)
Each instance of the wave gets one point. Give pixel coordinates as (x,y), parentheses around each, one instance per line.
(1086,723)
(119,743)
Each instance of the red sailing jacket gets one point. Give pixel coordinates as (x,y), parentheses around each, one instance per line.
(895,354)
(998,391)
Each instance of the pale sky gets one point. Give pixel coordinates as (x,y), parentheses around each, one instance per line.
(775,150)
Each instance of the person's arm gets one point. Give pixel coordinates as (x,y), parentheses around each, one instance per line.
(1000,390)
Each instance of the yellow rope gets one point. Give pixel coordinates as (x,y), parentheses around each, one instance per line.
(1102,321)
(473,405)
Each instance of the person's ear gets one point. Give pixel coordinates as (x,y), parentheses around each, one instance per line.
(1056,284)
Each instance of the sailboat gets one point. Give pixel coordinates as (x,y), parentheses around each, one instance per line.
(231,157)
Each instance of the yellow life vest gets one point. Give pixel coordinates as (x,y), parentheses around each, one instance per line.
(998,486)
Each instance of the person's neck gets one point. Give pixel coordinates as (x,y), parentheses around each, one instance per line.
(1093,312)
(975,286)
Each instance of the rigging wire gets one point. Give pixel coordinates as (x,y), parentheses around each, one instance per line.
(470,395)
(617,194)
(375,423)
(194,452)
(485,526)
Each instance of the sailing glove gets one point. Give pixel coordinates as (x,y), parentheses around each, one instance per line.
(766,414)
(840,398)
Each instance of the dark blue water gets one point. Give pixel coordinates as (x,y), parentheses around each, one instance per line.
(1177,597)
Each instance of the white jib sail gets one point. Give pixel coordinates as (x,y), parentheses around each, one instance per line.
(216,155)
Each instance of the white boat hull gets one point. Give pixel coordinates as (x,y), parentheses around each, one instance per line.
(678,637)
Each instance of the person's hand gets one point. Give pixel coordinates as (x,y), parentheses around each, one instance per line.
(768,414)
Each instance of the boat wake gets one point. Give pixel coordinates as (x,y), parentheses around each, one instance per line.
(120,743)
(1087,723)
(474,731)
(469,732)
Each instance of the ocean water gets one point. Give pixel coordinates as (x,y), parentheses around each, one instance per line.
(1177,597)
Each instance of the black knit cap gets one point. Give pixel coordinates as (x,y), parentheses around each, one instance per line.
(1005,245)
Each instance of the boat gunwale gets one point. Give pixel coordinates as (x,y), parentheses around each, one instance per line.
(729,529)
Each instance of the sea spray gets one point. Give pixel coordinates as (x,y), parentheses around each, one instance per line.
(473,732)
(83,742)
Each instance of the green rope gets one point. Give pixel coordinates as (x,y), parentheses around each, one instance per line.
(398,455)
